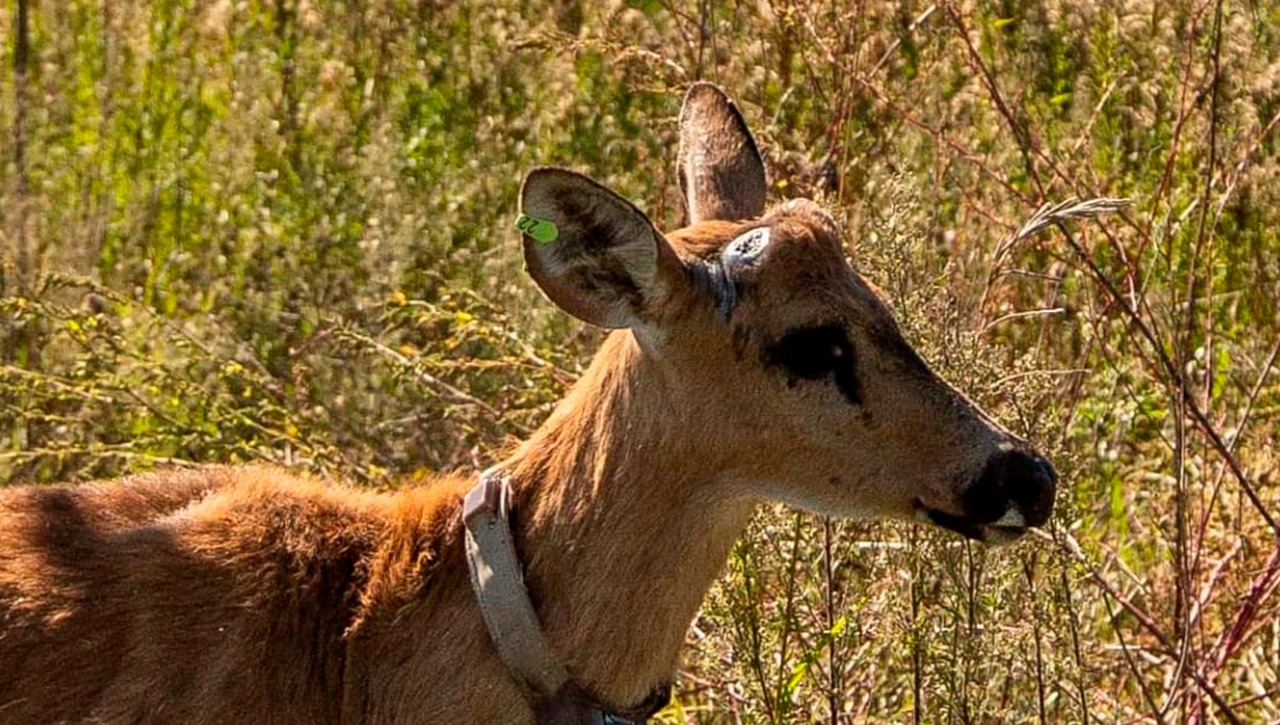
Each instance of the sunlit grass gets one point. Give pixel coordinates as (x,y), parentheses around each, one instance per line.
(281,230)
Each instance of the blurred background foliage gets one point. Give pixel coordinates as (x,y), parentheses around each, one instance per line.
(243,230)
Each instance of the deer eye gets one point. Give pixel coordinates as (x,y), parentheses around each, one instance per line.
(815,353)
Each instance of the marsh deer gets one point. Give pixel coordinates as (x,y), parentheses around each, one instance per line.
(749,362)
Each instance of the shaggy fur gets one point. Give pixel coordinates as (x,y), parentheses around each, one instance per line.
(234,595)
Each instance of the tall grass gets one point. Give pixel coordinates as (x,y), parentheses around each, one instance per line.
(279,230)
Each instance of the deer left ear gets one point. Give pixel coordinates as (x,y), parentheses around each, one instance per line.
(721,170)
(593,253)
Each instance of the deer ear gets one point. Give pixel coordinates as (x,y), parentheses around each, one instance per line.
(721,172)
(592,252)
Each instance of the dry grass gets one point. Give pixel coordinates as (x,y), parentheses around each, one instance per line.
(279,230)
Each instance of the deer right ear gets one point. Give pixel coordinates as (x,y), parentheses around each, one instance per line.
(592,252)
(720,169)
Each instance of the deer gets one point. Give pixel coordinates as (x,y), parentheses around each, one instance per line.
(747,362)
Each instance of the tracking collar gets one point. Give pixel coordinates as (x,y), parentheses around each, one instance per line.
(497,578)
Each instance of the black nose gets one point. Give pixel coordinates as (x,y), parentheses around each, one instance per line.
(1026,480)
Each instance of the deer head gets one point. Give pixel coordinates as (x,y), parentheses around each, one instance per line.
(782,361)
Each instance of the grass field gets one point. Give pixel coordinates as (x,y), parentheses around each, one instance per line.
(280,230)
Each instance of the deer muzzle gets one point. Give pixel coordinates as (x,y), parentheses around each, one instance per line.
(1013,493)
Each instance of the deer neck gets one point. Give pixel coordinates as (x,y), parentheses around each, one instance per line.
(621,522)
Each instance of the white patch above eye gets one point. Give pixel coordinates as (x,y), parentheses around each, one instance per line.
(746,248)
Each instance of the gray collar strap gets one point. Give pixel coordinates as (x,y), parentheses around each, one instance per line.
(498,580)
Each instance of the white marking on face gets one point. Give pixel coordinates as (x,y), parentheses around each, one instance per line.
(747,247)
(1013,518)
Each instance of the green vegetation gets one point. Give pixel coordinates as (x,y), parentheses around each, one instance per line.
(239,230)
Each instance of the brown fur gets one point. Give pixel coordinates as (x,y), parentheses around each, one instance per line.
(231,595)
(252,595)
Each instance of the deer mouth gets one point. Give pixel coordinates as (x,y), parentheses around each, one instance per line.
(1005,530)
(1013,493)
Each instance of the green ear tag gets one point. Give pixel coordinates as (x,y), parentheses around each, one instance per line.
(542,231)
